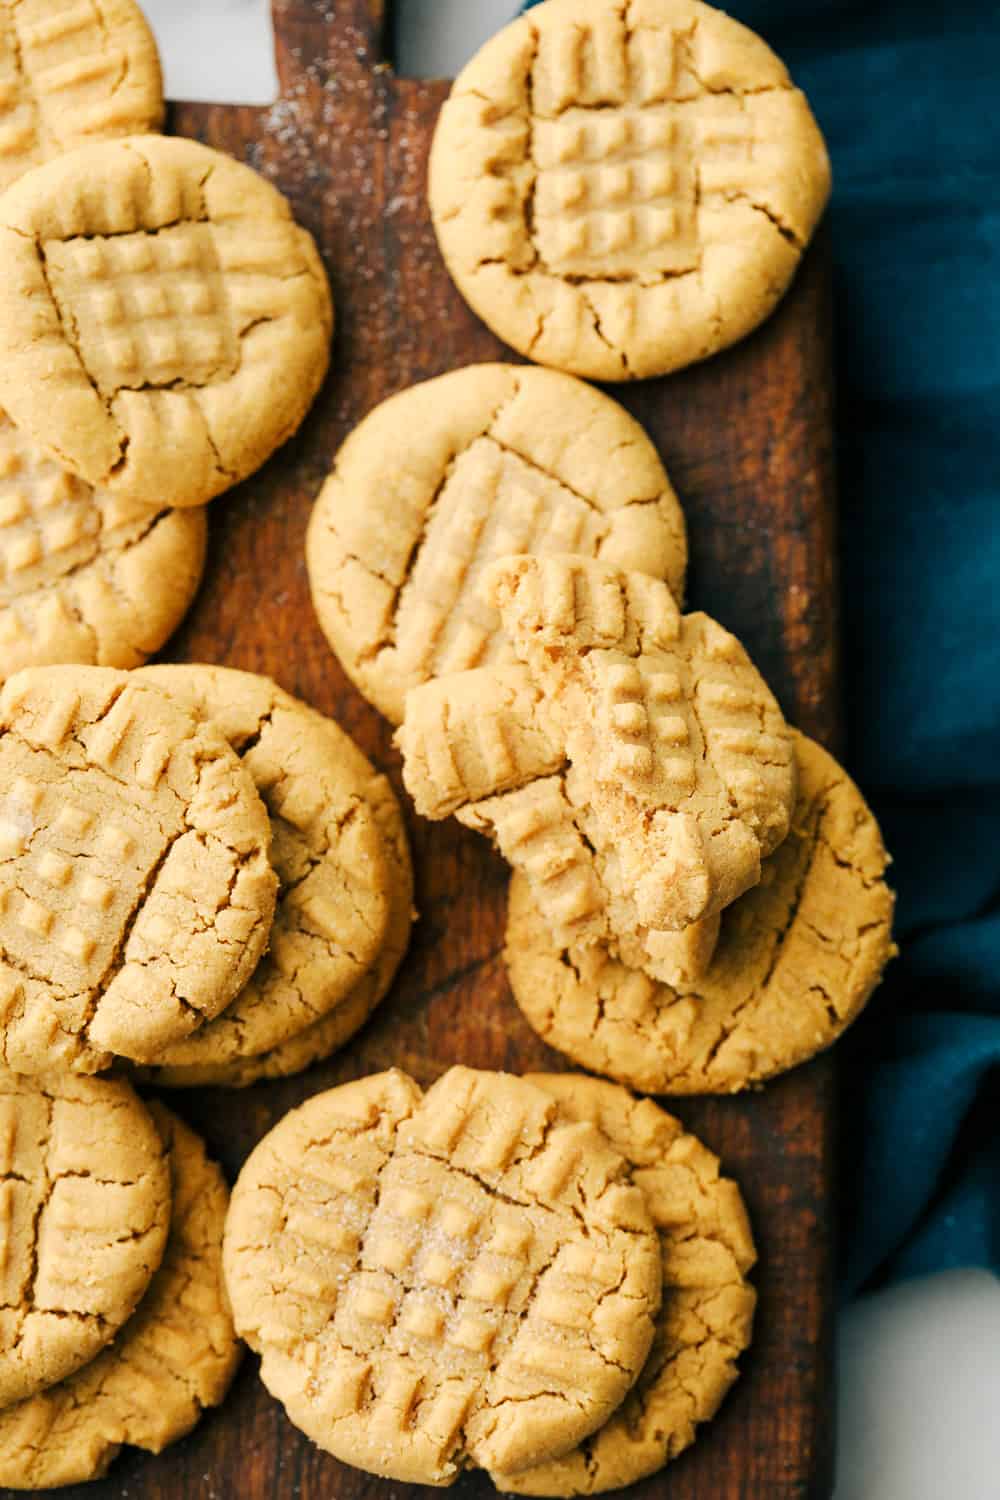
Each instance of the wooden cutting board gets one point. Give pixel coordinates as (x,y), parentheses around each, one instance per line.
(747,441)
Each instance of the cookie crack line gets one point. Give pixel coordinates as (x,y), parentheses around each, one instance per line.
(71,334)
(102,557)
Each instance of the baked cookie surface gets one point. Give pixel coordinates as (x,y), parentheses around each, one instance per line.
(621,187)
(440,1280)
(73,71)
(175,1356)
(84,576)
(136,894)
(164,323)
(706,1316)
(85,1205)
(796,961)
(345,886)
(633,763)
(455,472)
(318,1040)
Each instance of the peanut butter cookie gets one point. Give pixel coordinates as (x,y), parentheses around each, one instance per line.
(84,576)
(633,764)
(620,187)
(706,1316)
(797,959)
(73,71)
(345,886)
(84,1209)
(441,1280)
(164,324)
(136,895)
(175,1356)
(453,473)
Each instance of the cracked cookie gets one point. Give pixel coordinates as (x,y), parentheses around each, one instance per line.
(345,885)
(633,764)
(164,323)
(71,72)
(453,473)
(136,895)
(441,1280)
(175,1356)
(84,1209)
(706,1316)
(84,576)
(622,187)
(797,959)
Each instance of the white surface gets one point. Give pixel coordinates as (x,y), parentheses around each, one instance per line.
(218,50)
(920,1391)
(920,1364)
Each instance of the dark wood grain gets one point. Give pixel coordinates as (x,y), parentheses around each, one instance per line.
(747,439)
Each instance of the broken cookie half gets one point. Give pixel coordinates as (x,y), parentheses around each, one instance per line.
(632,764)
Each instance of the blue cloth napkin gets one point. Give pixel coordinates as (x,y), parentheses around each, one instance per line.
(906,92)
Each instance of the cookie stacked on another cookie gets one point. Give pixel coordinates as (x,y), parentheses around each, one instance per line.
(116,1327)
(632,762)
(481,1276)
(153,909)
(345,885)
(637,773)
(453,474)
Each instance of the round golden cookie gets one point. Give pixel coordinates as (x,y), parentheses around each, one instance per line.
(136,895)
(620,189)
(84,576)
(441,1280)
(706,1316)
(73,71)
(164,323)
(448,476)
(342,893)
(175,1356)
(797,959)
(84,1209)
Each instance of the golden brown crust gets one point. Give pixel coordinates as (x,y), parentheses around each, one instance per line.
(620,187)
(706,1317)
(164,324)
(635,764)
(84,1211)
(136,894)
(72,73)
(85,577)
(441,1280)
(453,473)
(345,891)
(175,1356)
(797,959)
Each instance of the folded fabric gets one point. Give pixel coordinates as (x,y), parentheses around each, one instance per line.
(904,93)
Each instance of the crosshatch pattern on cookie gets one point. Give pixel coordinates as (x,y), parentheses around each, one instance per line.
(84,1203)
(444,1269)
(61,76)
(706,1317)
(135,891)
(49,521)
(84,575)
(148,309)
(626,143)
(174,1358)
(620,150)
(69,873)
(674,697)
(493,502)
